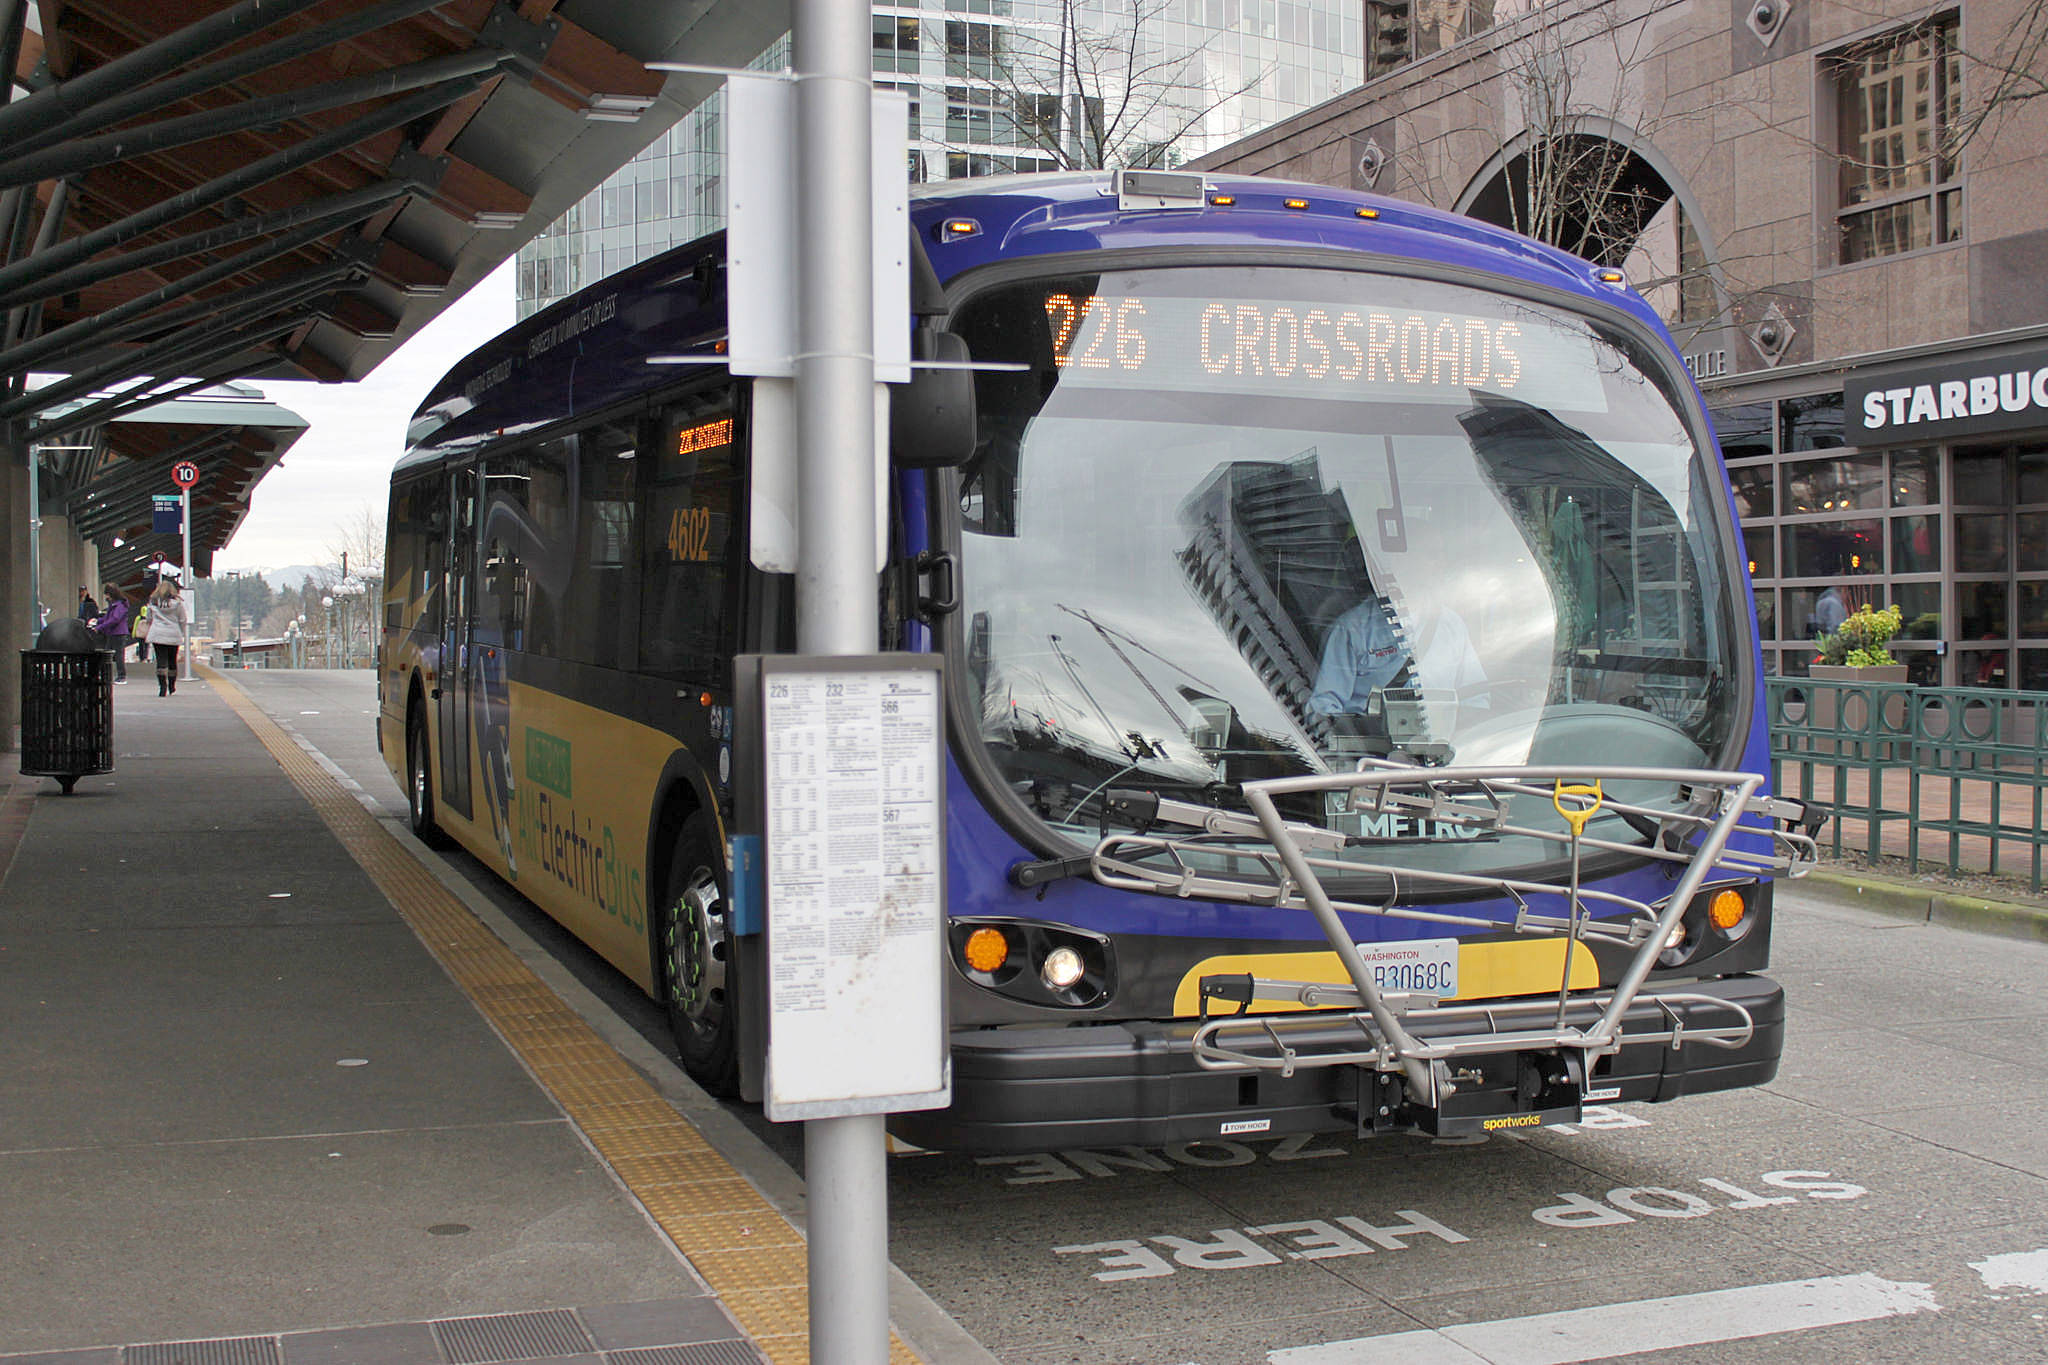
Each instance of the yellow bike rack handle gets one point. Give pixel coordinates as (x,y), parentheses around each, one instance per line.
(1589,797)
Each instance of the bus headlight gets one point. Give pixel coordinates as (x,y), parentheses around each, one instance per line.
(1061,969)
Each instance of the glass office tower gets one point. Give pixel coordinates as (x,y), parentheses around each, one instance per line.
(996,86)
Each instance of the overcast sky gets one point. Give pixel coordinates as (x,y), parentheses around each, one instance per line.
(341,466)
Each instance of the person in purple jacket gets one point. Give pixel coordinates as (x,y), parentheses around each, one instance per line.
(112,624)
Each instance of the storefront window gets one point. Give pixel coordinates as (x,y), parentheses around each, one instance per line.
(1811,423)
(1980,542)
(2033,603)
(1802,617)
(1916,478)
(1752,485)
(1757,541)
(2030,542)
(1767,614)
(1923,666)
(1982,609)
(1980,478)
(1916,544)
(1919,607)
(1980,668)
(2034,670)
(1839,485)
(1744,429)
(2033,475)
(1831,549)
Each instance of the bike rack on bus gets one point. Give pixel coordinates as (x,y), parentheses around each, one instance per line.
(1378,1031)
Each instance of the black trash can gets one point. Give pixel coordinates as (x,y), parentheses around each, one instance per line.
(67,704)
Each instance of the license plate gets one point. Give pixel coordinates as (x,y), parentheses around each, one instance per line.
(1427,966)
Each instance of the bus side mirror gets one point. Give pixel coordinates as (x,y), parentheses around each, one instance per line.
(931,419)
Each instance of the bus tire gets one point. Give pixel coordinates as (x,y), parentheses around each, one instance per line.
(695,944)
(419,785)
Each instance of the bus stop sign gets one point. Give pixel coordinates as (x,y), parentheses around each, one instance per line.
(184,473)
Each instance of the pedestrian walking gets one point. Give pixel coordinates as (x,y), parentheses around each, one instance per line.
(168,619)
(112,624)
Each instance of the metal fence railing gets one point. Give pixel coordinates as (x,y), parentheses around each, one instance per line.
(1947,775)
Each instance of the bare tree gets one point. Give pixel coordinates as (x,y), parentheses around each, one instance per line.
(1099,92)
(1563,118)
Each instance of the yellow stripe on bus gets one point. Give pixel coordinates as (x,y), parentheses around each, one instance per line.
(1486,971)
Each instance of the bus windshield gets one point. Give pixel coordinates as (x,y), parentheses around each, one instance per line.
(1238,523)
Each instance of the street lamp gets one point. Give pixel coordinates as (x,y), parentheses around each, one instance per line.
(348,589)
(328,602)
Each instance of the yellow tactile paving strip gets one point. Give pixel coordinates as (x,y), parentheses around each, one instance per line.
(748,1253)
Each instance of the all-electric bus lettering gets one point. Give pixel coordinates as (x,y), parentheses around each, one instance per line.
(1353,697)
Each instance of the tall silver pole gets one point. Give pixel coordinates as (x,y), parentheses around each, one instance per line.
(35,543)
(191,588)
(844,1158)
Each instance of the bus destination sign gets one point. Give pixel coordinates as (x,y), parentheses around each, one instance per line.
(1321,349)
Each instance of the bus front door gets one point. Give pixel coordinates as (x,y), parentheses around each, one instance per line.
(458,664)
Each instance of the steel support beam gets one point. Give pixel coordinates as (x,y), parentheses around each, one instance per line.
(134,399)
(50,107)
(163,358)
(313,220)
(74,158)
(58,350)
(25,322)
(394,115)
(135,101)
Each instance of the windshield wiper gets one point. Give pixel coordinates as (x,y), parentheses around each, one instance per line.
(1139,807)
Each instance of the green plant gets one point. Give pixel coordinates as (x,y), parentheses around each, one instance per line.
(1860,640)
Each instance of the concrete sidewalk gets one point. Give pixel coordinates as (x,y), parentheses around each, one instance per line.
(246,1116)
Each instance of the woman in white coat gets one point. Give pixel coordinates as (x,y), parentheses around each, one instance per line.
(169,619)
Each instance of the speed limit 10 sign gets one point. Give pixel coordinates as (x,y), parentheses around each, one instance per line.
(184,473)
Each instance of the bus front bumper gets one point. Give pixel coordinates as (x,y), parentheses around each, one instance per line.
(1136,1083)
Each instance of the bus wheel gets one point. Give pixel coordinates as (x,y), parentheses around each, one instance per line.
(696,955)
(419,785)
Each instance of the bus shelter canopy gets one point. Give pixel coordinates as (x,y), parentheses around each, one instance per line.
(199,191)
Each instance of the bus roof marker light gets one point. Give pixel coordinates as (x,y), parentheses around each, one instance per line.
(1222,201)
(953,229)
(1295,203)
(1368,213)
(1613,277)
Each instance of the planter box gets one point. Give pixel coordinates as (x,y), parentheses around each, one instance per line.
(1882,673)
(1821,706)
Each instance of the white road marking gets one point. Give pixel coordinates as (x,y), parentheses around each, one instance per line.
(1619,1329)
(2027,1270)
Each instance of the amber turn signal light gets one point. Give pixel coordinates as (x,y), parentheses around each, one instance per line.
(986,949)
(1727,909)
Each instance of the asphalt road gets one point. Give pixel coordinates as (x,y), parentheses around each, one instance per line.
(1885,1199)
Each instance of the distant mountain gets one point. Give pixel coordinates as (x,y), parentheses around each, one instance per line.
(290,576)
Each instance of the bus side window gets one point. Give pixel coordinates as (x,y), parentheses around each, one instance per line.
(600,618)
(526,546)
(418,523)
(686,613)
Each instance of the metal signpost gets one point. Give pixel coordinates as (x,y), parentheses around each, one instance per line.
(184,474)
(856,1023)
